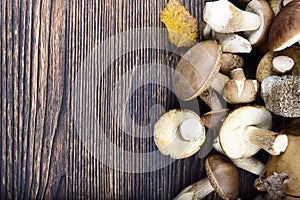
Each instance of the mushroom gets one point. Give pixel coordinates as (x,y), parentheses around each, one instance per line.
(246,130)
(248,164)
(229,62)
(223,17)
(282,64)
(282,95)
(264,10)
(196,71)
(285,28)
(215,118)
(287,162)
(232,42)
(222,177)
(265,67)
(179,133)
(239,89)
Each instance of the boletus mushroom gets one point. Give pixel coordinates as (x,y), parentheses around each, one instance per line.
(222,177)
(224,17)
(285,28)
(239,89)
(247,129)
(197,71)
(179,133)
(287,163)
(281,95)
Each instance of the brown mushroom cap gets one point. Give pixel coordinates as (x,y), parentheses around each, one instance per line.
(214,119)
(285,29)
(170,141)
(196,69)
(264,10)
(223,176)
(282,95)
(232,134)
(288,162)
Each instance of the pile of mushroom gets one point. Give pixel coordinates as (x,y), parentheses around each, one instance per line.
(242,108)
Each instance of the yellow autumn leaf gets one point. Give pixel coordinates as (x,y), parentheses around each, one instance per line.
(182,27)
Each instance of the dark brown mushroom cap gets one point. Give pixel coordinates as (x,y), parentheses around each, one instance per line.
(196,69)
(285,29)
(223,176)
(282,95)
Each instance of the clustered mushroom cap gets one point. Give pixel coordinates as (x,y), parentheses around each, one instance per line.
(196,70)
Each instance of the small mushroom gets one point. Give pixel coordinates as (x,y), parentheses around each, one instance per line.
(285,28)
(222,177)
(247,129)
(223,17)
(282,95)
(265,67)
(196,73)
(239,89)
(179,133)
(282,64)
(232,43)
(229,62)
(264,10)
(248,164)
(287,162)
(215,118)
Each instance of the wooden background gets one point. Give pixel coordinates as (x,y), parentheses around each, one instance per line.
(42,47)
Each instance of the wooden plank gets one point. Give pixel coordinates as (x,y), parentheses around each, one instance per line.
(47,148)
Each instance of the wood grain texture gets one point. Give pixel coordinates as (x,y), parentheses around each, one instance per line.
(43,154)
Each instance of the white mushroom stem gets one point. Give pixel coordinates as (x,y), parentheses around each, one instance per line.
(223,17)
(197,190)
(190,129)
(248,164)
(270,141)
(282,64)
(232,42)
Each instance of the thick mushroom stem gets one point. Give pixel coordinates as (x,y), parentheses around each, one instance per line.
(212,100)
(270,141)
(282,64)
(190,129)
(248,164)
(198,190)
(222,16)
(238,74)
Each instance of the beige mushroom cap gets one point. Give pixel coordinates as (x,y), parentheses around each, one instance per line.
(285,29)
(196,70)
(179,133)
(232,134)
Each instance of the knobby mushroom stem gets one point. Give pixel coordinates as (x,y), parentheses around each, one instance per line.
(270,141)
(198,190)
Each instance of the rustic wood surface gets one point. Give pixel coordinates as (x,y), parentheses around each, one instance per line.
(43,45)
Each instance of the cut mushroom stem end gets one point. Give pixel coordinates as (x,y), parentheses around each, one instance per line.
(282,64)
(270,141)
(190,129)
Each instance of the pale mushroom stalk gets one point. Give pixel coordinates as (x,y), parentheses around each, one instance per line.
(282,64)
(189,129)
(249,164)
(223,17)
(270,141)
(198,190)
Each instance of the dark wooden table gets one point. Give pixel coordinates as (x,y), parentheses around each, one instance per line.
(69,71)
